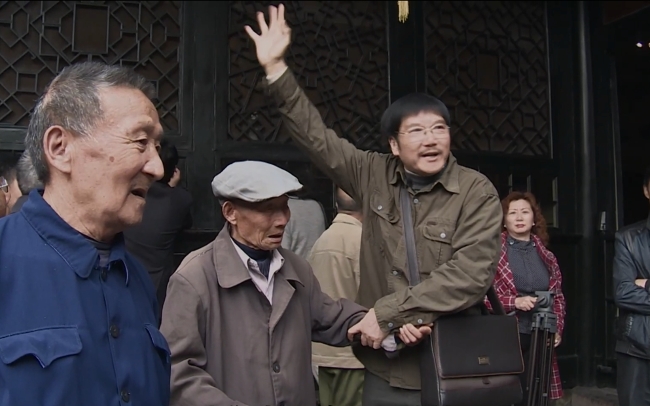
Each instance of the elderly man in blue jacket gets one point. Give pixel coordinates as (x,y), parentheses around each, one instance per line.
(79,319)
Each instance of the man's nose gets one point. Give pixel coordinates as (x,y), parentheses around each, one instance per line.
(154,166)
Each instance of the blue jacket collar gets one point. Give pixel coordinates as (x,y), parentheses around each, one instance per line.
(70,244)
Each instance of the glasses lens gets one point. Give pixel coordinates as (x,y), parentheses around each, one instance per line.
(4,185)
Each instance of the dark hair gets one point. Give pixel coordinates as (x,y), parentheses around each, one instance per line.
(539,229)
(408,106)
(169,157)
(72,101)
(346,203)
(646,176)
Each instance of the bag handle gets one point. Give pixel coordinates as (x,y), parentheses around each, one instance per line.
(412,258)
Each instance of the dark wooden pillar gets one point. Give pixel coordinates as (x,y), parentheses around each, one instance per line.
(586,194)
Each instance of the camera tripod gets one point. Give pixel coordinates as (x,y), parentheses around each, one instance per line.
(541,350)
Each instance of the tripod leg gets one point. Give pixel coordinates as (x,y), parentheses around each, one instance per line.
(532,378)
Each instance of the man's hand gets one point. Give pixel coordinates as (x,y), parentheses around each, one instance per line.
(411,335)
(525,303)
(371,334)
(176,177)
(558,340)
(273,40)
(641,283)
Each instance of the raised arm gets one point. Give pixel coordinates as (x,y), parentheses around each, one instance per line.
(183,325)
(341,161)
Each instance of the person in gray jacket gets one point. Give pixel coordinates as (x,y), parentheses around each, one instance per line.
(632,296)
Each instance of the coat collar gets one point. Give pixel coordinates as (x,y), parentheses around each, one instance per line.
(346,219)
(231,271)
(75,249)
(448,180)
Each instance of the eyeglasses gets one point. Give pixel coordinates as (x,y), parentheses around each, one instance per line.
(4,186)
(418,134)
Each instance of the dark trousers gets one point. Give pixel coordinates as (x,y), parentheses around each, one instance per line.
(378,392)
(632,380)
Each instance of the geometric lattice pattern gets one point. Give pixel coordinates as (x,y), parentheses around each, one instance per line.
(487,61)
(339,54)
(39,38)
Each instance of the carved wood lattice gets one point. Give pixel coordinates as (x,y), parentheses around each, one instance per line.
(39,38)
(339,54)
(487,60)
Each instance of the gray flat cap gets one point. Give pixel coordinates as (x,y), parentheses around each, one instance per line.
(253,181)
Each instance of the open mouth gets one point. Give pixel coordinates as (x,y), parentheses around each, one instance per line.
(430,155)
(276,236)
(139,192)
(520,226)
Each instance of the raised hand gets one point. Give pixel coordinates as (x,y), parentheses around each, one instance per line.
(273,41)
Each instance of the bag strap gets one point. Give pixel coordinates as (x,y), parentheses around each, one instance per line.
(411,255)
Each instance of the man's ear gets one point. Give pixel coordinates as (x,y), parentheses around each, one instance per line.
(57,145)
(229,212)
(394,145)
(646,192)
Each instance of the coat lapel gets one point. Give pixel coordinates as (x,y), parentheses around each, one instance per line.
(283,291)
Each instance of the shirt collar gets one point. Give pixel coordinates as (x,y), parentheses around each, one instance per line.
(448,180)
(232,270)
(70,244)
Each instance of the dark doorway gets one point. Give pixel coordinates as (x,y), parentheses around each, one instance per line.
(631,49)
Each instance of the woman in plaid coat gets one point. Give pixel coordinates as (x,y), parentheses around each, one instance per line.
(526,266)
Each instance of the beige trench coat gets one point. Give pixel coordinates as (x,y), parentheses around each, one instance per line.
(231,347)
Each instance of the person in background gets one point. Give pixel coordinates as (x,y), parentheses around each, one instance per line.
(334,259)
(82,326)
(13,191)
(27,180)
(307,221)
(525,267)
(632,297)
(241,312)
(3,196)
(166,214)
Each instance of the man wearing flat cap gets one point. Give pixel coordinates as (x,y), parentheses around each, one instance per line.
(241,312)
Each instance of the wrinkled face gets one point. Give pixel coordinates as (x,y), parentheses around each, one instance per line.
(112,169)
(258,225)
(422,144)
(519,219)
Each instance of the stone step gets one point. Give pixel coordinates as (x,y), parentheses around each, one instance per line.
(589,396)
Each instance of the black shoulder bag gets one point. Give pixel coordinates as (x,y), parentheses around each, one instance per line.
(468,360)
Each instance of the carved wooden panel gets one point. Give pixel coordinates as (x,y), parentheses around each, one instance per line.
(507,178)
(338,52)
(39,38)
(487,60)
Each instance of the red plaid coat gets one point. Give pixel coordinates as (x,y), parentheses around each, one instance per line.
(504,286)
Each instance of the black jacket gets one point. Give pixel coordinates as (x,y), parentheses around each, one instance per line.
(631,262)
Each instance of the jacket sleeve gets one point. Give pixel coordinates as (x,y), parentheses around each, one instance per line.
(627,294)
(347,166)
(461,282)
(559,302)
(183,325)
(505,295)
(331,318)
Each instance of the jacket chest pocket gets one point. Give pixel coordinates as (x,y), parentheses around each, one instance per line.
(159,343)
(385,225)
(45,345)
(437,247)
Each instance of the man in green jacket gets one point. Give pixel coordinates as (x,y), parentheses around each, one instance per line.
(456,216)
